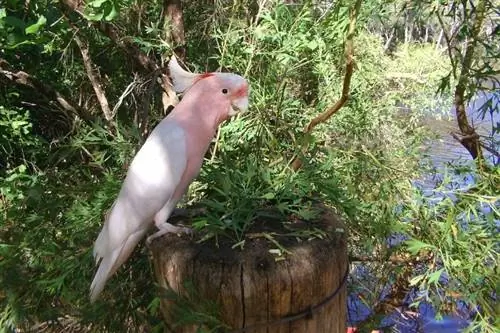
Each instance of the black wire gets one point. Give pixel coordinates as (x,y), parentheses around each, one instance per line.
(307,313)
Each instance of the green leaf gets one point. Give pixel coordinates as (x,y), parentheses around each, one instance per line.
(154,305)
(268,196)
(434,277)
(14,22)
(414,246)
(416,280)
(112,13)
(97,3)
(33,29)
(94,16)
(307,213)
(18,123)
(312,45)
(15,40)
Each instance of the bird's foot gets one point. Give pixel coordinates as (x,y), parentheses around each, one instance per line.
(167,228)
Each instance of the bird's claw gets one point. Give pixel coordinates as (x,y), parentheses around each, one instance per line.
(167,228)
(185,230)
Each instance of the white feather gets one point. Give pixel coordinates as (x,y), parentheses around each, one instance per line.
(181,79)
(152,178)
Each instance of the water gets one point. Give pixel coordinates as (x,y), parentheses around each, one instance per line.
(441,150)
(484,118)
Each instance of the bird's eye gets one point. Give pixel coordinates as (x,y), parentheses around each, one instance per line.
(224,91)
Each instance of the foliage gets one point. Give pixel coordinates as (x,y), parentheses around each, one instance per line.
(191,309)
(60,168)
(457,229)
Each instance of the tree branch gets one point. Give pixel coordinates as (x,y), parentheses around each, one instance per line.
(394,300)
(349,55)
(449,45)
(24,79)
(470,139)
(94,77)
(141,60)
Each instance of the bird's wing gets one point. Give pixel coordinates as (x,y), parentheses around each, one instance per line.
(151,180)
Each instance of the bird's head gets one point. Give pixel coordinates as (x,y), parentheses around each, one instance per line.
(228,87)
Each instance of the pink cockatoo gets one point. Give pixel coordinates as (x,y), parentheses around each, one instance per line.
(166,164)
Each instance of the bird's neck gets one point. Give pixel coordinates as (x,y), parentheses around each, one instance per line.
(203,113)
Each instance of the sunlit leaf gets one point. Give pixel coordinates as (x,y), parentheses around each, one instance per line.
(434,277)
(34,28)
(415,246)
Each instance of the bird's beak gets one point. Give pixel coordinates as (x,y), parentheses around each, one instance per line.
(239,105)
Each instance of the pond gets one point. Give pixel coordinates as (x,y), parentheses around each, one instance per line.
(484,118)
(442,151)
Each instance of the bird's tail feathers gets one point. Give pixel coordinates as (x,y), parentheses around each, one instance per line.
(111,262)
(102,242)
(103,273)
(113,247)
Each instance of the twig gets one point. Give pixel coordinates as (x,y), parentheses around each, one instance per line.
(94,77)
(143,113)
(125,93)
(448,42)
(491,150)
(216,144)
(66,104)
(393,259)
(395,299)
(141,60)
(349,54)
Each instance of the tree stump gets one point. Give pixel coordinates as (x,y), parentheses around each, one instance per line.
(252,289)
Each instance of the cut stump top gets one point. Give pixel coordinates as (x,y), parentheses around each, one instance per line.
(253,289)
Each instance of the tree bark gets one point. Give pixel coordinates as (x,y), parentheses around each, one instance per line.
(94,77)
(470,139)
(389,39)
(173,16)
(349,57)
(440,38)
(174,34)
(250,290)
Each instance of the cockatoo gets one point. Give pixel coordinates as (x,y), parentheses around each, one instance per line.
(166,164)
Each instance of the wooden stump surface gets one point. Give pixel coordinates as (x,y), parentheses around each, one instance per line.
(251,287)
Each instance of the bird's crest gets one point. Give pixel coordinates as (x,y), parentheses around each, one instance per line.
(181,79)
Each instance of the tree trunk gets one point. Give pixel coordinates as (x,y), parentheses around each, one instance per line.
(253,290)
(469,139)
(388,41)
(439,40)
(407,28)
(175,35)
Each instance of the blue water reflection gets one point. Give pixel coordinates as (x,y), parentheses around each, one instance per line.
(439,184)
